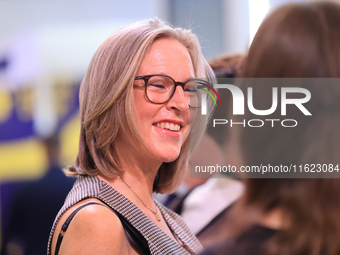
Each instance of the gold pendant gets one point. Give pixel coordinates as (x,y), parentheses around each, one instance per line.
(158,217)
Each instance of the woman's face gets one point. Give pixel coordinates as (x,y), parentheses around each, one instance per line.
(166,57)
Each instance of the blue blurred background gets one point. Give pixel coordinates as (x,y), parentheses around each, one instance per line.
(45,47)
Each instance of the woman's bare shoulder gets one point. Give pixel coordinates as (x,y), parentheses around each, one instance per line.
(94,229)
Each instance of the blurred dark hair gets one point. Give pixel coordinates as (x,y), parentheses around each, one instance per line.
(296,40)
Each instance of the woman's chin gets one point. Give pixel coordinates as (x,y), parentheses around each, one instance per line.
(170,158)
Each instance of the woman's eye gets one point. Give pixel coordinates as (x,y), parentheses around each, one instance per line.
(157,85)
(190,90)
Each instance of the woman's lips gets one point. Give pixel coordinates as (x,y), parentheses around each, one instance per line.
(169,125)
(167,131)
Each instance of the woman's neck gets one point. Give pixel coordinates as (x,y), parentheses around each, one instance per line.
(139,170)
(138,176)
(137,179)
(137,164)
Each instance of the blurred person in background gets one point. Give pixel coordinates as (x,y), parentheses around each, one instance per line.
(206,205)
(206,153)
(291,216)
(138,102)
(35,205)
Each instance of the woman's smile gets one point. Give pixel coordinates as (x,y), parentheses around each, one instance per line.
(169,127)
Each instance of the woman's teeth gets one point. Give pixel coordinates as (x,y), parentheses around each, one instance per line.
(168,125)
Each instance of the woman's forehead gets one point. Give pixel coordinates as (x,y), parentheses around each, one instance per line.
(167,55)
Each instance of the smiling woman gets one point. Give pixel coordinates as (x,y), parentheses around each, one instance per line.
(138,103)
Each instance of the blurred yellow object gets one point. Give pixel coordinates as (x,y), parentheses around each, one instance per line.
(23,159)
(5,105)
(69,141)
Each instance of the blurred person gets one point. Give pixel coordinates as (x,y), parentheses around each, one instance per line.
(138,102)
(35,206)
(291,216)
(206,153)
(207,206)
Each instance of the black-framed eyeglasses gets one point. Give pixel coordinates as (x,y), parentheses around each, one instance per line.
(159,89)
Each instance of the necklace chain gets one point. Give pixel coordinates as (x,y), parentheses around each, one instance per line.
(154,212)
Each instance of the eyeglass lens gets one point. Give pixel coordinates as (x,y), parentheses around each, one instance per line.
(160,89)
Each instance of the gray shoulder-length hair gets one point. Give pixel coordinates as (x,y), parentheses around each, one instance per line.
(107,103)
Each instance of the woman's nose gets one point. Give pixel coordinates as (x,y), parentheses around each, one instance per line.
(178,101)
